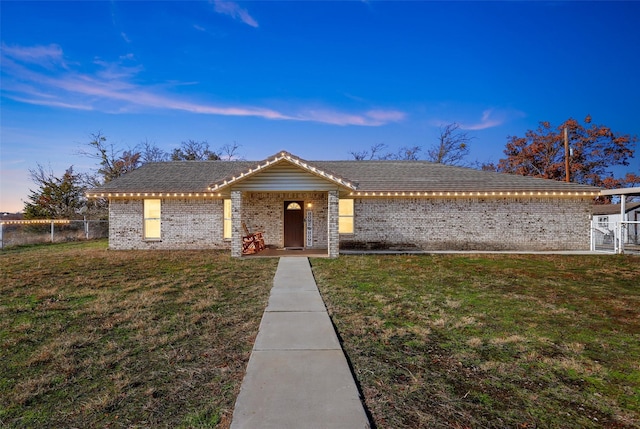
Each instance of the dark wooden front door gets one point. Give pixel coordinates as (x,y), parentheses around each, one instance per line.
(294,224)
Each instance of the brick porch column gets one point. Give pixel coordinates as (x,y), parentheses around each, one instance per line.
(236,224)
(333,238)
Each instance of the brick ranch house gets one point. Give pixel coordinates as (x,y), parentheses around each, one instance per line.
(333,205)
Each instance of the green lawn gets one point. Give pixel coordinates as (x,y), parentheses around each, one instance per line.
(496,341)
(97,338)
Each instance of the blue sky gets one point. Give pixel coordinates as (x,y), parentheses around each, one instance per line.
(319,79)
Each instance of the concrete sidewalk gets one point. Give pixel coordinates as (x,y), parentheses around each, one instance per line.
(297,376)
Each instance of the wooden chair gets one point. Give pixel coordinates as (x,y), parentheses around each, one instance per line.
(252,242)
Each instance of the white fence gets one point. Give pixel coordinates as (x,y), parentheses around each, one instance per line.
(21,232)
(623,238)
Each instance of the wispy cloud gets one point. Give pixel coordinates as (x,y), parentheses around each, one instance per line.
(491,118)
(368,119)
(52,103)
(109,71)
(384,116)
(49,56)
(234,10)
(113,87)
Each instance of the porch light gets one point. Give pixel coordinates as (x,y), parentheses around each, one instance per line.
(309,205)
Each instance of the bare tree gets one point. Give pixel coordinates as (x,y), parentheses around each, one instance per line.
(452,146)
(114,162)
(192,150)
(372,153)
(407,153)
(152,153)
(228,152)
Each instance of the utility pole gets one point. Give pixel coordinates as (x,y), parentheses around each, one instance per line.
(566,154)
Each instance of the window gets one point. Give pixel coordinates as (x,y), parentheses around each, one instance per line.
(345,216)
(294,206)
(603,221)
(226,234)
(152,219)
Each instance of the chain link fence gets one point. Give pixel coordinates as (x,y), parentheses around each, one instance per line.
(21,232)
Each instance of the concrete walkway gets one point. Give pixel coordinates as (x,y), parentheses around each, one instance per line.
(297,376)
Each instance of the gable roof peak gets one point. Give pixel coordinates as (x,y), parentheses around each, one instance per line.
(284,156)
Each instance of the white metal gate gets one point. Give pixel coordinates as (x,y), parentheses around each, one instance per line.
(623,238)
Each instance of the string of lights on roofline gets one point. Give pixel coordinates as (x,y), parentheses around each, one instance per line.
(290,158)
(361,194)
(35,221)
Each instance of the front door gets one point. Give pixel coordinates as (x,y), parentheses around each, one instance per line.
(294,224)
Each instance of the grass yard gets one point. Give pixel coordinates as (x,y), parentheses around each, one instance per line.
(98,338)
(490,341)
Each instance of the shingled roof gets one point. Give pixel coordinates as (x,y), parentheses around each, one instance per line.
(608,209)
(357,177)
(421,176)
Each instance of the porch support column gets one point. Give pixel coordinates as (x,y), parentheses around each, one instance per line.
(333,237)
(236,224)
(623,226)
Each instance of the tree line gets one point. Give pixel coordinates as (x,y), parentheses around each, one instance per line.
(595,151)
(63,197)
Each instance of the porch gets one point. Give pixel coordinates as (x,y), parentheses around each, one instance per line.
(271,252)
(293,223)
